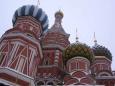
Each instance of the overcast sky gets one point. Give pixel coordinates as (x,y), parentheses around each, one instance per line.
(88,16)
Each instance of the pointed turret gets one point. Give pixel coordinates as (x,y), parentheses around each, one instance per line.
(56,35)
(102,63)
(57,27)
(77,38)
(55,41)
(95,41)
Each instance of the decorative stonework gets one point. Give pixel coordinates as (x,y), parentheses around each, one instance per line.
(33,55)
(30,25)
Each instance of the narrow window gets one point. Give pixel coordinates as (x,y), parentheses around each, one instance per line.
(40,83)
(46,62)
(50,83)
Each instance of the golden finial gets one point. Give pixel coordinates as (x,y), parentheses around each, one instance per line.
(60,13)
(77,36)
(95,41)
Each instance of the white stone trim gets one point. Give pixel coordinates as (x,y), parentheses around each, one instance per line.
(105,77)
(51,82)
(40,81)
(4,58)
(2,44)
(23,35)
(100,64)
(78,70)
(56,60)
(53,46)
(44,66)
(15,73)
(12,53)
(8,83)
(102,57)
(77,58)
(104,73)
(32,57)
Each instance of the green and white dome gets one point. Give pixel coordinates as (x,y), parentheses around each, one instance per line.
(78,49)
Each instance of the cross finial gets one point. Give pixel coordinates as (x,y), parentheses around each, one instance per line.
(95,41)
(76,35)
(38,2)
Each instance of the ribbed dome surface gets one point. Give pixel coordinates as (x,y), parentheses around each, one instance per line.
(78,49)
(101,51)
(34,11)
(59,13)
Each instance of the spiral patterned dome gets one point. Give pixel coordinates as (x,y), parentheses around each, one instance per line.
(34,11)
(101,51)
(78,49)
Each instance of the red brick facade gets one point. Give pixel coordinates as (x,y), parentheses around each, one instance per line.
(31,57)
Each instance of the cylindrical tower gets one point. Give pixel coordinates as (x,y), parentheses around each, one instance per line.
(78,57)
(54,41)
(102,62)
(50,72)
(20,47)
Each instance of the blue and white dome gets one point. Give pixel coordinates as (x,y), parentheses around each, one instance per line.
(34,11)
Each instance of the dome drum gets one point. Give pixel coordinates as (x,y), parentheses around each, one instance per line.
(76,50)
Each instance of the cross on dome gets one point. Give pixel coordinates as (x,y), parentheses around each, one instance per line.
(95,41)
(38,2)
(77,36)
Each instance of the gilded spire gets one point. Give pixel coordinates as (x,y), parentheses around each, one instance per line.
(77,36)
(38,2)
(95,41)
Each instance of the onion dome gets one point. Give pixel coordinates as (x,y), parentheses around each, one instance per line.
(59,13)
(34,11)
(56,37)
(101,51)
(78,49)
(57,27)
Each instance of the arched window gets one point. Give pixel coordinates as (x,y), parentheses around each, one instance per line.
(29,35)
(40,83)
(60,83)
(46,61)
(104,75)
(50,83)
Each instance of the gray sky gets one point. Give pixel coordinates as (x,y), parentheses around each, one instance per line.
(88,16)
